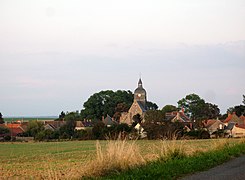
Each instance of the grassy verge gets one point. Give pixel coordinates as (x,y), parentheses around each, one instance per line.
(179,165)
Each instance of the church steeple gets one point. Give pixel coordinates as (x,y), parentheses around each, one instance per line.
(140,93)
(140,85)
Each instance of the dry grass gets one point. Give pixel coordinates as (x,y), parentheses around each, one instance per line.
(121,155)
(118,155)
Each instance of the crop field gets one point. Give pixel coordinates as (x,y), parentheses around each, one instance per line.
(54,160)
(8,119)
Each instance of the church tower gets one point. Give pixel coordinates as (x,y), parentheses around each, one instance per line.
(140,94)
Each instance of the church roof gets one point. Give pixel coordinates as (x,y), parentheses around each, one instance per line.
(141,106)
(109,121)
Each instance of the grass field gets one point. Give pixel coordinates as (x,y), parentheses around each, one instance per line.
(25,119)
(54,160)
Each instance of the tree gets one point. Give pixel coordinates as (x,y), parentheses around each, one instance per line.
(4,131)
(169,108)
(121,107)
(154,116)
(62,116)
(151,106)
(34,127)
(1,118)
(211,111)
(98,130)
(103,103)
(193,106)
(243,99)
(136,119)
(239,110)
(67,130)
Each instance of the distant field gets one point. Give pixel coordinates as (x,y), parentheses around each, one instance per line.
(50,160)
(9,119)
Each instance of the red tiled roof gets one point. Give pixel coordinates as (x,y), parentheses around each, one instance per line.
(16,131)
(13,125)
(241,126)
(230,117)
(209,122)
(242,118)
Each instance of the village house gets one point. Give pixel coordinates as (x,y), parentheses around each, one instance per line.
(235,126)
(109,121)
(177,116)
(53,125)
(213,126)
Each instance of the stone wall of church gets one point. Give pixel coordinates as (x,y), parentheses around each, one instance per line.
(128,117)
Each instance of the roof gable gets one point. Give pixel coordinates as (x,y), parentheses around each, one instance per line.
(233,118)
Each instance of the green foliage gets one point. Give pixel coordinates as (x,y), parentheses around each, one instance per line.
(165,130)
(198,134)
(169,108)
(193,105)
(239,110)
(103,103)
(47,134)
(4,130)
(196,108)
(137,119)
(100,131)
(83,135)
(34,127)
(210,111)
(1,118)
(154,116)
(121,107)
(61,116)
(151,106)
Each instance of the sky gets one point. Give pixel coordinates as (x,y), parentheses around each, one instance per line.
(54,54)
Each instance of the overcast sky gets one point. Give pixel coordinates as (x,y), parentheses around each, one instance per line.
(54,54)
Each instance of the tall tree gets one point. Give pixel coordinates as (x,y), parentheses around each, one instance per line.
(197,109)
(62,115)
(4,130)
(103,103)
(211,111)
(1,118)
(34,127)
(151,106)
(154,116)
(193,106)
(239,110)
(169,108)
(243,99)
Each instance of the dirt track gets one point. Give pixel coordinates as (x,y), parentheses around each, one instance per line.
(234,169)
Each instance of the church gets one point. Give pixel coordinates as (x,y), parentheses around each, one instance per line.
(138,106)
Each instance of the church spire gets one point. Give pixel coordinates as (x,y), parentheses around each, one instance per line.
(140,84)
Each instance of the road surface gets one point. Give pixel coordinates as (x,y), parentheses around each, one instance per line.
(234,170)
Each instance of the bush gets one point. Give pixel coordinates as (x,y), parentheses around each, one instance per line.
(198,134)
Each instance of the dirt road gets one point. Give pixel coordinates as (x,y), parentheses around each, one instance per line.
(234,169)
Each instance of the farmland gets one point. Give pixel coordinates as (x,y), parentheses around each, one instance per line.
(49,160)
(26,119)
